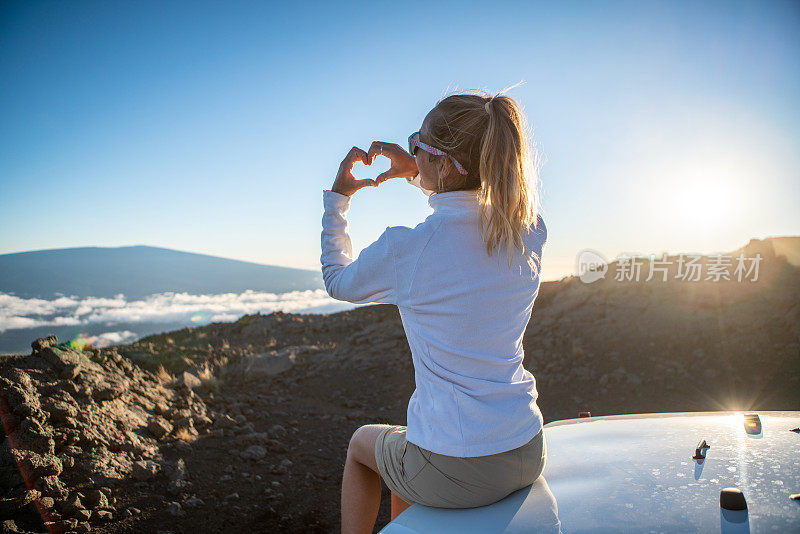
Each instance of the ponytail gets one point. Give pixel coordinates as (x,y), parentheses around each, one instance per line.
(490,133)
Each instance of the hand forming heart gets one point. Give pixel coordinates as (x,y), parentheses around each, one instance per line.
(403,166)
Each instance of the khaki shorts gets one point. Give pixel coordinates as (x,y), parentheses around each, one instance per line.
(417,475)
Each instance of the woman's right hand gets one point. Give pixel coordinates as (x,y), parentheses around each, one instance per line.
(404,165)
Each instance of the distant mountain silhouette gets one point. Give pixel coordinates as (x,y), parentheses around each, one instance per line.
(140,271)
(787,246)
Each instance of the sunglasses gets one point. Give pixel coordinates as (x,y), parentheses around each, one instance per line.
(414,143)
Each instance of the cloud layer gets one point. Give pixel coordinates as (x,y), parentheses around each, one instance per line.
(18,313)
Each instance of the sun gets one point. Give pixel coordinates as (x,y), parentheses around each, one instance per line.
(709,203)
(703,197)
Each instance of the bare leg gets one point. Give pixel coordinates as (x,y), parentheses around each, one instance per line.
(361,483)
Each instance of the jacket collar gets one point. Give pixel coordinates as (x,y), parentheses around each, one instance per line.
(457,200)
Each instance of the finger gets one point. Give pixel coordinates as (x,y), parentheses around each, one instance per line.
(392,151)
(356,154)
(364,183)
(397,149)
(347,162)
(382,177)
(375,149)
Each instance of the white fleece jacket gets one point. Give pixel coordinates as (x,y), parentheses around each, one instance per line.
(464,315)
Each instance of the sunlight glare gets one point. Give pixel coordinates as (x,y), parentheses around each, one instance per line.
(705,198)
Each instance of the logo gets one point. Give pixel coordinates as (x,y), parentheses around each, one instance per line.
(591,266)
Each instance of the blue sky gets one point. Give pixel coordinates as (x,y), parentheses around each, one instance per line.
(213,127)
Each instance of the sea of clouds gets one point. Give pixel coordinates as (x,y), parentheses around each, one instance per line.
(168,308)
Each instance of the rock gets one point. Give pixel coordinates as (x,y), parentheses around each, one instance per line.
(44,342)
(175,413)
(52,486)
(276,446)
(82,515)
(96,499)
(20,379)
(193,502)
(202,421)
(189,380)
(35,465)
(253,452)
(60,411)
(70,506)
(30,409)
(145,470)
(259,366)
(107,392)
(159,427)
(83,528)
(160,408)
(277,431)
(176,487)
(63,358)
(17,387)
(253,438)
(247,428)
(225,421)
(73,450)
(68,524)
(8,526)
(70,371)
(71,388)
(136,445)
(175,509)
(31,435)
(178,479)
(180,472)
(183,448)
(232,496)
(102,516)
(27,497)
(282,467)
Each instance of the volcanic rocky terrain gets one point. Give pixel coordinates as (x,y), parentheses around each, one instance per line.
(244,426)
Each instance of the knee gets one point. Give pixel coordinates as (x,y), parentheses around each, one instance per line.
(352,447)
(357,448)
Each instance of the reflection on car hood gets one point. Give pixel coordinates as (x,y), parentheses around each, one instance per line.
(636,473)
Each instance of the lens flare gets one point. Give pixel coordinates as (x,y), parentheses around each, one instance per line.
(200,318)
(81,341)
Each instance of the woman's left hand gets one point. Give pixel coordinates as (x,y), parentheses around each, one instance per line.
(346,183)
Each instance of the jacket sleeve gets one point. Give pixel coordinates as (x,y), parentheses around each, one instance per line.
(369,278)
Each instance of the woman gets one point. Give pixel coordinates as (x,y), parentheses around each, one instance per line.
(474,430)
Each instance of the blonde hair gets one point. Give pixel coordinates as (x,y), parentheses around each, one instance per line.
(487,134)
